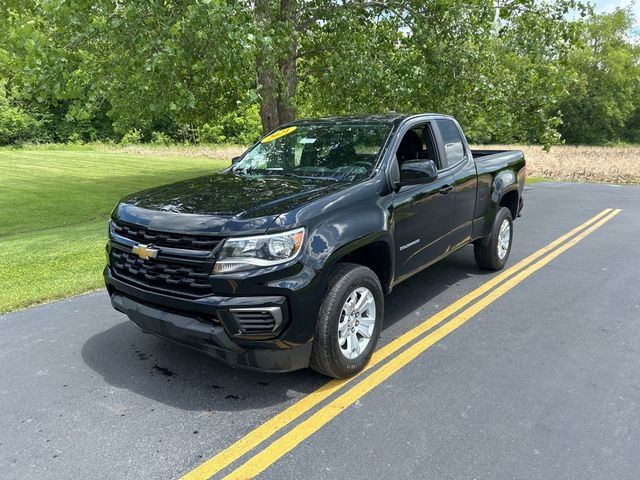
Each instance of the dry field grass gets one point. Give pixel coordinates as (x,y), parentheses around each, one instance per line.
(215,152)
(580,163)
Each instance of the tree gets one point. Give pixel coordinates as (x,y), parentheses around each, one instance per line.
(605,71)
(504,67)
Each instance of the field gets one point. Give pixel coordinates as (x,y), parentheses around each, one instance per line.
(55,204)
(56,200)
(581,164)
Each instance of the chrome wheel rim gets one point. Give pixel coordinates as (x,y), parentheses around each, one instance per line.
(357,321)
(504,238)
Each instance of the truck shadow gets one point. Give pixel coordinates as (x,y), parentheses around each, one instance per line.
(188,380)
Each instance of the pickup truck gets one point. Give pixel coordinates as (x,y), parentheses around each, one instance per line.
(282,261)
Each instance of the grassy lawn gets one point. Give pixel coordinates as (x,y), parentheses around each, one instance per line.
(55,206)
(536,180)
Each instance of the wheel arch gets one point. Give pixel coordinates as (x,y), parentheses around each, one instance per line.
(375,256)
(510,199)
(374,252)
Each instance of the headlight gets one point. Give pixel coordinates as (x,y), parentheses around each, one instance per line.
(245,253)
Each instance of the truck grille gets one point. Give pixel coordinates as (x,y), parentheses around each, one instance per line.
(162,275)
(165,239)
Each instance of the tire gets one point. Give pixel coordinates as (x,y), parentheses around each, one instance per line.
(492,252)
(331,348)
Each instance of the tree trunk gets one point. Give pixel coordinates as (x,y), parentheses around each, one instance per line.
(289,84)
(265,74)
(268,94)
(276,72)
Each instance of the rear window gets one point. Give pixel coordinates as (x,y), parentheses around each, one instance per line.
(452,141)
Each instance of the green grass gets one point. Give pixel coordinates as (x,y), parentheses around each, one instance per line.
(55,206)
(537,180)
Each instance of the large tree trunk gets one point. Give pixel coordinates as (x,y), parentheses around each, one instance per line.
(268,94)
(276,68)
(289,84)
(265,73)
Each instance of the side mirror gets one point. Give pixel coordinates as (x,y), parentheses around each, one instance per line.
(415,172)
(235,160)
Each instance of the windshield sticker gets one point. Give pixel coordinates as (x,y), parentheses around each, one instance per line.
(278,134)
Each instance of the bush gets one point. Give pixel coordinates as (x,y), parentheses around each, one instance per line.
(75,139)
(159,138)
(131,137)
(241,127)
(16,125)
(211,134)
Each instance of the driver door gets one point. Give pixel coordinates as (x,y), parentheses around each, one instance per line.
(423,213)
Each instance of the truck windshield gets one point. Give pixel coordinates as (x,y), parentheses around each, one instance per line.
(328,151)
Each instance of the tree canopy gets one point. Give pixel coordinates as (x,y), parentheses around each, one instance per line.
(221,70)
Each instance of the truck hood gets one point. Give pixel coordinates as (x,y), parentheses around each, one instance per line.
(221,203)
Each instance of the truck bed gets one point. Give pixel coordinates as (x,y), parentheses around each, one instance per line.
(485,152)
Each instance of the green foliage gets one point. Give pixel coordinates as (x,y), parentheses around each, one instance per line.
(241,128)
(211,134)
(215,71)
(131,137)
(605,72)
(632,126)
(75,139)
(16,125)
(159,138)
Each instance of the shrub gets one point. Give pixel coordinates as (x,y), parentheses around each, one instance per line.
(75,139)
(159,138)
(241,127)
(131,137)
(208,133)
(16,125)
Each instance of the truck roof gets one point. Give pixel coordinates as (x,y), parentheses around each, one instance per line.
(391,118)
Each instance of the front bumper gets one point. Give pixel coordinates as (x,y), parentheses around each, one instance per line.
(206,324)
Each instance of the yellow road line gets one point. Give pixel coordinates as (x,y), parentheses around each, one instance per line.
(290,440)
(281,420)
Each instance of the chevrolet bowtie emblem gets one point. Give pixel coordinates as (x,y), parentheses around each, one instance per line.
(144,251)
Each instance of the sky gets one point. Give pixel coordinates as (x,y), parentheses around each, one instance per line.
(611,5)
(602,6)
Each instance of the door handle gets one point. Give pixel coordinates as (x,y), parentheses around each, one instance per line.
(446,189)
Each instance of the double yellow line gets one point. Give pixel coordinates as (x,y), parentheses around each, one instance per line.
(279,447)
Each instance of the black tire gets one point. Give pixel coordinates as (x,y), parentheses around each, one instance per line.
(326,355)
(486,250)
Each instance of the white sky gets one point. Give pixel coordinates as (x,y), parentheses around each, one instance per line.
(602,6)
(610,5)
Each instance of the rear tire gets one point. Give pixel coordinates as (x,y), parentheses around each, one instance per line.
(492,253)
(349,321)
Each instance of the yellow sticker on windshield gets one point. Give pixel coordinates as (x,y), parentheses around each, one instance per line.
(278,134)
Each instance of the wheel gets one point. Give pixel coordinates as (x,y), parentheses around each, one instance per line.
(491,253)
(349,321)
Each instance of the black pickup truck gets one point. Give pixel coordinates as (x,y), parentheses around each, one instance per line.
(281,262)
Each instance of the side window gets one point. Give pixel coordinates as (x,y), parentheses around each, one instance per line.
(452,141)
(417,143)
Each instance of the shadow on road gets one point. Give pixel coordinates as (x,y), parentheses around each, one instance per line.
(188,380)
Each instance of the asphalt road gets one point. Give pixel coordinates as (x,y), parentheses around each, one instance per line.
(542,383)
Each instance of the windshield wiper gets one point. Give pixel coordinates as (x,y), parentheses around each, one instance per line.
(282,173)
(265,171)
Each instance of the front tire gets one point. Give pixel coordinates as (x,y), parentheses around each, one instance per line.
(349,321)
(491,253)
